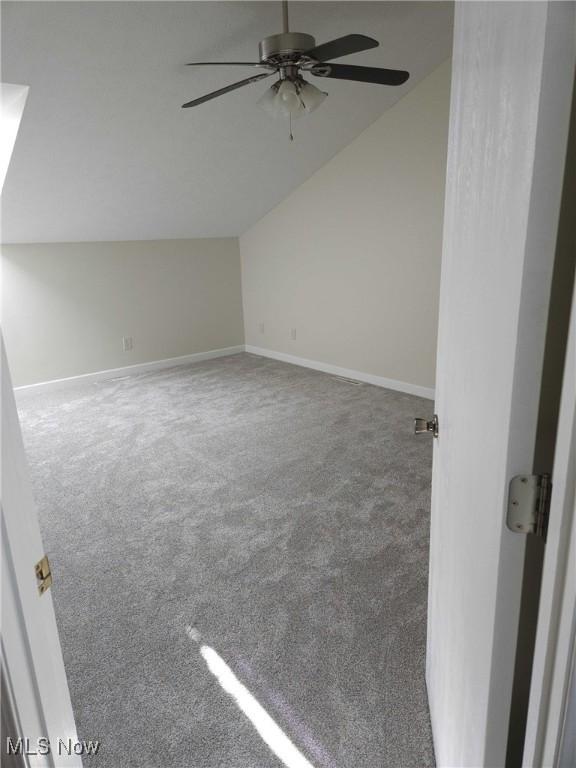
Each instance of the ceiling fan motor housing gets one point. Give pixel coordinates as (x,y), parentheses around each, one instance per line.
(285,47)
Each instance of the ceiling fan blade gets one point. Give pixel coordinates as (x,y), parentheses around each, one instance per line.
(342,46)
(228,64)
(227,89)
(361,74)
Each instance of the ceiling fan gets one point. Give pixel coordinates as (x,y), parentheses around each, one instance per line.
(288,55)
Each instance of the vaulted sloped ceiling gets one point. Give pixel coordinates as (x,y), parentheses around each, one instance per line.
(106,153)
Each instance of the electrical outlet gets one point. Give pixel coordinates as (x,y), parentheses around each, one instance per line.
(293,334)
(261,327)
(127,343)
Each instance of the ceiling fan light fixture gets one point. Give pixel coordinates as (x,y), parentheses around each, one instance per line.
(282,100)
(310,96)
(287,55)
(290,98)
(270,102)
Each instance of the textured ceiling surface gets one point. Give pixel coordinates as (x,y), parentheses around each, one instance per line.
(106,153)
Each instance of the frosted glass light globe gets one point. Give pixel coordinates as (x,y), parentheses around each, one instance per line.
(289,95)
(310,96)
(291,98)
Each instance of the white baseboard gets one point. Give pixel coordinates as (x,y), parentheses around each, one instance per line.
(172,362)
(131,370)
(368,378)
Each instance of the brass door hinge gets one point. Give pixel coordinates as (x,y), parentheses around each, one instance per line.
(43,574)
(529,504)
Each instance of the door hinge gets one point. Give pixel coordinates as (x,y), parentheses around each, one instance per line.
(43,574)
(529,504)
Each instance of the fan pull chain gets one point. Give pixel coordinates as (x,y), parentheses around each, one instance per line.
(290,119)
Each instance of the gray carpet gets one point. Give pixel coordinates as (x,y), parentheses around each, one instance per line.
(282,513)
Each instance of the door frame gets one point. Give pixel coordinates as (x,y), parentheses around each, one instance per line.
(33,673)
(552,672)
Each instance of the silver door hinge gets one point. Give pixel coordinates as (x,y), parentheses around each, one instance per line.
(529,504)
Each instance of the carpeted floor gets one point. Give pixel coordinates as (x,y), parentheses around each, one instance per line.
(280,512)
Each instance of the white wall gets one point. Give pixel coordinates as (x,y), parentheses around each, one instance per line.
(351,259)
(66,306)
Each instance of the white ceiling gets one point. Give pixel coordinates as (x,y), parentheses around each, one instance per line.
(106,153)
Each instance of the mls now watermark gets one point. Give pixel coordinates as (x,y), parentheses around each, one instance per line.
(43,746)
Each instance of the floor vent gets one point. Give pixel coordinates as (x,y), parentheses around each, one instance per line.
(354,382)
(107,381)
